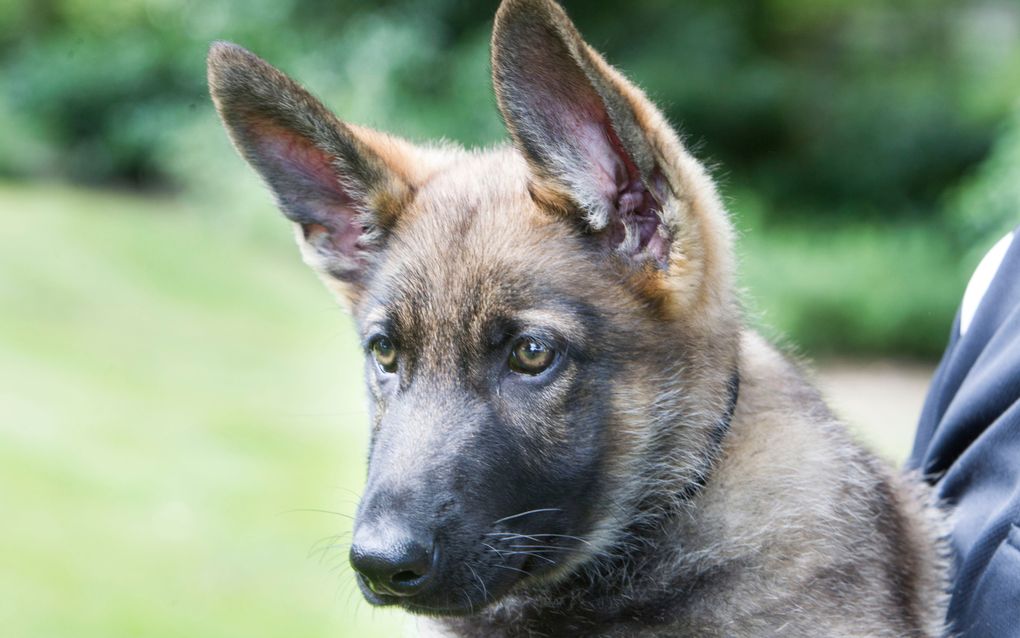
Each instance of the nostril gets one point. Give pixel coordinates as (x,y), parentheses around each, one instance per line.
(396,566)
(406,577)
(409,577)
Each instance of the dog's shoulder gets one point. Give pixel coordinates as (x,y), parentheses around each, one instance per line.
(789,469)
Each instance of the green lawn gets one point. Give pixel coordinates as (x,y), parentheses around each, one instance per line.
(178,395)
(173,393)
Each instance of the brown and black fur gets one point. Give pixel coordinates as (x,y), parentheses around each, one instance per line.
(621,492)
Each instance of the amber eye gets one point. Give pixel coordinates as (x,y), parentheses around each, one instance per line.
(530,356)
(385,354)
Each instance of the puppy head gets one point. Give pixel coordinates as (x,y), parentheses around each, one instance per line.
(548,328)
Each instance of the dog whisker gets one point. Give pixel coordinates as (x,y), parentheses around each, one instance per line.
(532,554)
(323,546)
(538,511)
(513,569)
(512,536)
(485,593)
(542,547)
(467,598)
(507,536)
(318,511)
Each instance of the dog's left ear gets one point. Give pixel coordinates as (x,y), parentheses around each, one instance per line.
(598,148)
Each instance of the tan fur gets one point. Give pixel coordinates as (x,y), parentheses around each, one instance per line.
(796,532)
(775,488)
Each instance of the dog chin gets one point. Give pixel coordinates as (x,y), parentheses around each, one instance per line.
(436,601)
(422,606)
(442,611)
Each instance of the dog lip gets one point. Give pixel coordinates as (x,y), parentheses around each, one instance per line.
(410,604)
(420,602)
(373,598)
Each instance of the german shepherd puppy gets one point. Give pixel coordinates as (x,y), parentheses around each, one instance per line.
(573,433)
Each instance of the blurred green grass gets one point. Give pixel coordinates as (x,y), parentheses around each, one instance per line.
(175,392)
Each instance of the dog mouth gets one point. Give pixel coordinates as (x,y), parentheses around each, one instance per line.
(468,588)
(459,568)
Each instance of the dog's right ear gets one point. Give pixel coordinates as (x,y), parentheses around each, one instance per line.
(600,153)
(342,186)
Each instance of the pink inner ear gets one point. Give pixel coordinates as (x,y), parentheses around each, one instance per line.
(309,190)
(296,155)
(634,209)
(606,167)
(579,120)
(549,95)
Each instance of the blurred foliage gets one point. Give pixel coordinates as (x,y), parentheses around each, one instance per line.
(987,204)
(865,291)
(106,92)
(855,107)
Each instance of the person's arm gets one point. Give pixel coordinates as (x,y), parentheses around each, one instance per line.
(968,446)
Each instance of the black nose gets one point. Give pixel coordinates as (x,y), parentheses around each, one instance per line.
(392,562)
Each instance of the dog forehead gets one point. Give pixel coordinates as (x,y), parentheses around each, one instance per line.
(469,268)
(474,247)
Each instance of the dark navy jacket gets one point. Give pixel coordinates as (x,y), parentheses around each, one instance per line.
(968,445)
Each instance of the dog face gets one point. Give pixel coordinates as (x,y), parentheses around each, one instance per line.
(488,368)
(512,305)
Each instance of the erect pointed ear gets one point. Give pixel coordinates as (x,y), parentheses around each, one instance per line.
(342,186)
(599,149)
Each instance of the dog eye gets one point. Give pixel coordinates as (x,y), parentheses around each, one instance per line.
(385,354)
(530,356)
